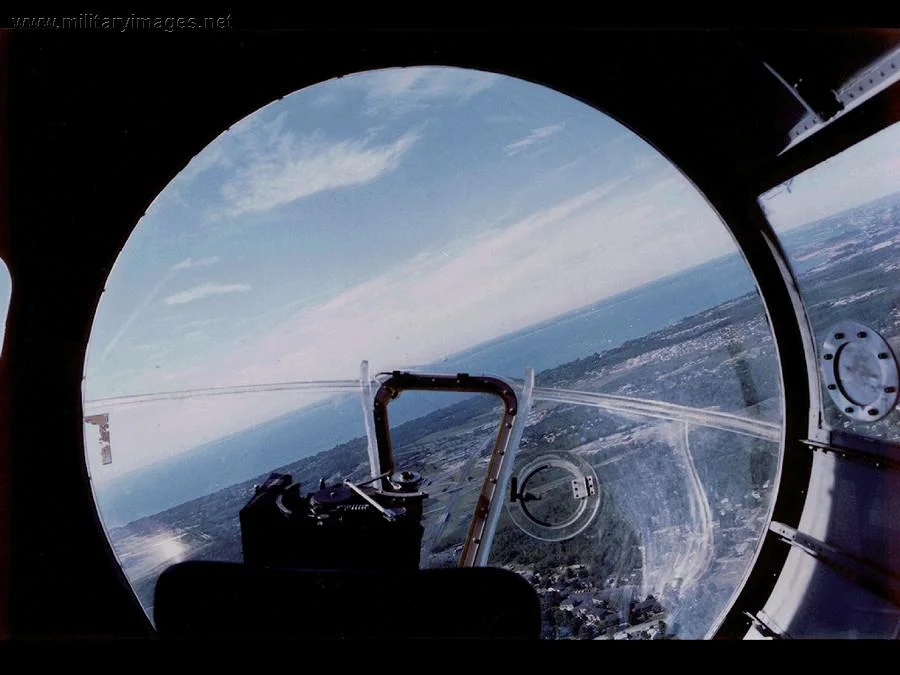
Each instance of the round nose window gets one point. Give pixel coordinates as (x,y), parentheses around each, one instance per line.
(424,225)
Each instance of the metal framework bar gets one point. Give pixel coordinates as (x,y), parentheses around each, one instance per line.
(873,454)
(464,383)
(764,624)
(875,77)
(496,505)
(859,571)
(843,131)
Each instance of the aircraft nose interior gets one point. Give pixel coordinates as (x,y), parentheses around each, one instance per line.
(340,333)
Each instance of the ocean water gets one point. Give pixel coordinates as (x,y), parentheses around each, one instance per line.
(610,322)
(595,328)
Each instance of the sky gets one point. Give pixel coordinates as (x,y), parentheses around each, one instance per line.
(398,216)
(866,171)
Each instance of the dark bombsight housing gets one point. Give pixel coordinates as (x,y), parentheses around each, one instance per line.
(342,526)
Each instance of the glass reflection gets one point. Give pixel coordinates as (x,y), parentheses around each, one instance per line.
(5,293)
(682,509)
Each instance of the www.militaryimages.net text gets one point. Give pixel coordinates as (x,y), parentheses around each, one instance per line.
(93,21)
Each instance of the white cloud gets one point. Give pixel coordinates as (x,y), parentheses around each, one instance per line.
(593,245)
(401,90)
(326,98)
(293,170)
(504,119)
(179,191)
(537,135)
(211,156)
(189,263)
(246,125)
(203,291)
(139,309)
(584,248)
(863,172)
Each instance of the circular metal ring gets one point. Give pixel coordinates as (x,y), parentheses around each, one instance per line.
(581,482)
(859,371)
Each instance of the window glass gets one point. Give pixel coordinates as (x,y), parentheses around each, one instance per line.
(445,221)
(838,222)
(5,294)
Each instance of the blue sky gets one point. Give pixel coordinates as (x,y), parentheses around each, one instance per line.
(866,171)
(397,216)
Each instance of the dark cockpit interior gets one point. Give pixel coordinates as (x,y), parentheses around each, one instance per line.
(729,471)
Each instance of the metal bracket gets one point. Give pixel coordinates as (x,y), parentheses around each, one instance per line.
(582,489)
(880,74)
(856,570)
(102,421)
(398,382)
(879,456)
(763,626)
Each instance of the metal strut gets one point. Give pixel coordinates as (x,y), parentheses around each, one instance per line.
(859,571)
(462,382)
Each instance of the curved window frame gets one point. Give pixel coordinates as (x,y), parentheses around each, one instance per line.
(767,263)
(800,497)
